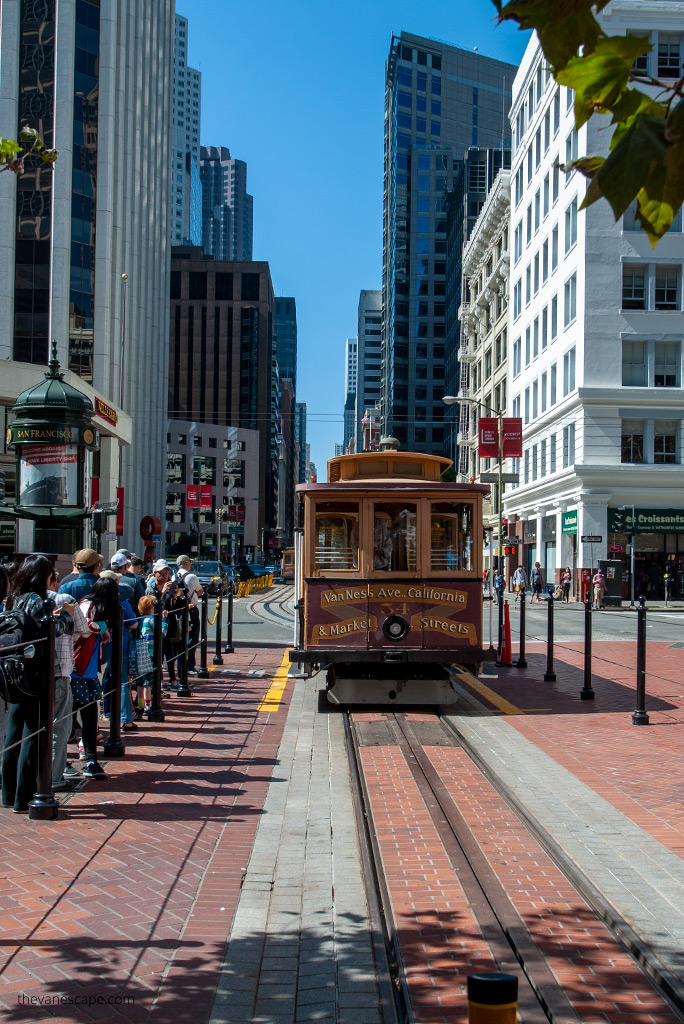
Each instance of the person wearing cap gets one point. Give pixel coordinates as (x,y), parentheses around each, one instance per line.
(121,564)
(194,590)
(163,588)
(129,627)
(599,588)
(89,564)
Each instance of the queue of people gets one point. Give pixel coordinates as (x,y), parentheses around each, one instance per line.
(86,604)
(521,585)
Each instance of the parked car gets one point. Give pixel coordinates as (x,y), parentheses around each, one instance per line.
(212,576)
(259,570)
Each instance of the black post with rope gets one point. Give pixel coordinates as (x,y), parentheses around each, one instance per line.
(587,691)
(204,615)
(640,716)
(114,747)
(229,649)
(218,659)
(155,713)
(183,688)
(44,806)
(549,675)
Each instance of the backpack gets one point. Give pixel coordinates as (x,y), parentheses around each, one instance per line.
(21,677)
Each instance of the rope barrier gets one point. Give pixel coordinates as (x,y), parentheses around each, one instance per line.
(212,621)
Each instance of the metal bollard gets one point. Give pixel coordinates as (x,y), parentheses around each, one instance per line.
(229,649)
(43,806)
(183,688)
(155,714)
(114,747)
(499,660)
(492,998)
(218,659)
(522,661)
(549,675)
(640,717)
(587,692)
(203,673)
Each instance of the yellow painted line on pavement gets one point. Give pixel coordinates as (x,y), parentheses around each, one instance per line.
(494,698)
(274,694)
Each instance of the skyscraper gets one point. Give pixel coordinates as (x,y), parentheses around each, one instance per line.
(300,440)
(369,374)
(186,201)
(439,101)
(84,248)
(285,327)
(350,375)
(226,205)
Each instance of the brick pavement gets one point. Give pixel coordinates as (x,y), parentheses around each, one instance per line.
(130,895)
(637,769)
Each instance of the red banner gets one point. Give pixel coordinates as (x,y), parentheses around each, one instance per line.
(512,437)
(241,513)
(205,496)
(120,512)
(191,496)
(488,437)
(94,489)
(232,513)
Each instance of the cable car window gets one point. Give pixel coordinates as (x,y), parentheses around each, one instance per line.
(394,537)
(337,535)
(451,536)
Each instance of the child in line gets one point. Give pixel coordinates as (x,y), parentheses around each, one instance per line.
(146,609)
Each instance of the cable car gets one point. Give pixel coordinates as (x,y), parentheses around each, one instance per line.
(388,579)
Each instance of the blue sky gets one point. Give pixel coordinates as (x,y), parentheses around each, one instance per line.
(297,90)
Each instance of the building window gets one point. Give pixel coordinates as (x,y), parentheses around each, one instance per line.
(633,287)
(570,306)
(527,405)
(554,249)
(528,346)
(535,341)
(543,392)
(571,149)
(536,273)
(517,299)
(552,453)
(543,458)
(535,449)
(634,366)
(555,181)
(569,372)
(667,288)
(537,209)
(554,318)
(667,360)
(529,223)
(518,242)
(517,353)
(632,441)
(571,225)
(545,261)
(528,284)
(556,110)
(545,327)
(552,389)
(527,466)
(569,445)
(665,441)
(535,400)
(669,61)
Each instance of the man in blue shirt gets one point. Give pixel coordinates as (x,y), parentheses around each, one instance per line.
(89,565)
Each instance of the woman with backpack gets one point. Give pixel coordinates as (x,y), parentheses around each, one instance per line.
(100,608)
(28,593)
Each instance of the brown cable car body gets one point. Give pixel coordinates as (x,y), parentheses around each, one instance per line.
(388,579)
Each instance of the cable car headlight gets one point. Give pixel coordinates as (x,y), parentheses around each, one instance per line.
(395,628)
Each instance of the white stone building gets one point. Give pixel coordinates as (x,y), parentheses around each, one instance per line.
(483,350)
(596,330)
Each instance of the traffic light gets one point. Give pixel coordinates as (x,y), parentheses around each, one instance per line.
(504,524)
(509,549)
(619,520)
(98,522)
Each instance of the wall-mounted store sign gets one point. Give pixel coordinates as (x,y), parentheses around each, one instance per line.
(649,520)
(570,522)
(106,412)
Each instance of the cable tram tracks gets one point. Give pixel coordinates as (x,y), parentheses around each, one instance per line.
(510,940)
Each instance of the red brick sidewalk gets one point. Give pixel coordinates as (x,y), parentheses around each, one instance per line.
(638,769)
(127,900)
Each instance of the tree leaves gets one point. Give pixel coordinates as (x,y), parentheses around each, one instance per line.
(646,149)
(600,78)
(12,153)
(563,26)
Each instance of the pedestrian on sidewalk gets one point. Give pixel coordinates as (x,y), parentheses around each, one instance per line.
(129,625)
(599,589)
(99,608)
(146,607)
(89,564)
(194,591)
(537,581)
(499,584)
(63,710)
(520,582)
(28,592)
(566,582)
(171,593)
